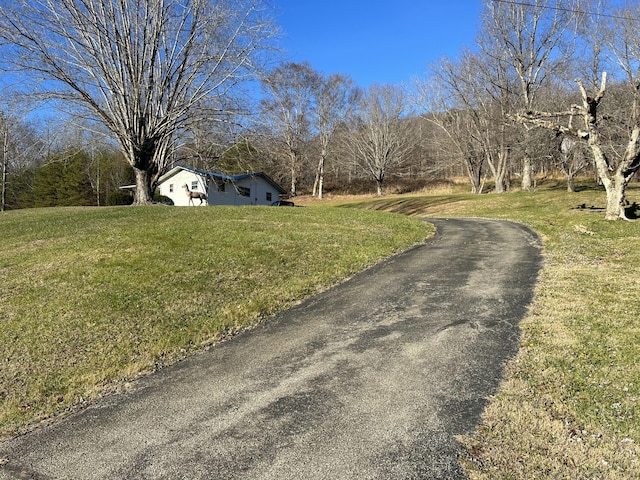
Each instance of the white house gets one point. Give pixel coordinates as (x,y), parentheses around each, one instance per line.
(246,189)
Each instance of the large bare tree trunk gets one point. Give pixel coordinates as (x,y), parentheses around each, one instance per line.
(615,178)
(293,160)
(142,194)
(615,182)
(379,191)
(475,174)
(616,199)
(499,164)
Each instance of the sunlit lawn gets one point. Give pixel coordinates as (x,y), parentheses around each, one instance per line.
(92,297)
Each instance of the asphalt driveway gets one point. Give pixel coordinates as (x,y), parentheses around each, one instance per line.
(369,380)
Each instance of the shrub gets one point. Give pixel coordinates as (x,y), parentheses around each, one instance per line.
(119,198)
(157,198)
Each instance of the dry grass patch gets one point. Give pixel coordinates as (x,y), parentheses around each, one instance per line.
(567,407)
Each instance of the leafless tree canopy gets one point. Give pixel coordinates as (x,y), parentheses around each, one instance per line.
(534,39)
(469,99)
(163,77)
(380,140)
(144,68)
(335,98)
(289,93)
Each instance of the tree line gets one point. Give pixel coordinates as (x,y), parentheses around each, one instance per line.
(69,168)
(533,90)
(530,98)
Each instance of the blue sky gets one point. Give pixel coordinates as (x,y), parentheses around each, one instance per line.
(376,41)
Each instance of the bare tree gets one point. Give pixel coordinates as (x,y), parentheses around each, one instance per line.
(289,95)
(479,88)
(532,38)
(20,147)
(572,161)
(461,133)
(457,138)
(145,69)
(615,176)
(5,149)
(380,140)
(585,120)
(335,97)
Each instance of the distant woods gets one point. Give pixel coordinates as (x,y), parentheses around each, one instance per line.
(73,177)
(506,113)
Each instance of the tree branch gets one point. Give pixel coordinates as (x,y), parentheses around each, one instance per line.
(538,119)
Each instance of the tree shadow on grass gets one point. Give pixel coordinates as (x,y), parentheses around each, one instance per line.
(589,208)
(632,211)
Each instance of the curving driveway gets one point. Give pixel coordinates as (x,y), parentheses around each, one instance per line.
(369,380)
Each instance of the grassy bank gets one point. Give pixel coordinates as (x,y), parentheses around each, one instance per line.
(92,297)
(568,407)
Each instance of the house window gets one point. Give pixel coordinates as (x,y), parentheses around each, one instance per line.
(171,187)
(194,185)
(221,186)
(268,196)
(244,191)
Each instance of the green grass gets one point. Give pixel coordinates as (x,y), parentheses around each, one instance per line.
(92,297)
(568,406)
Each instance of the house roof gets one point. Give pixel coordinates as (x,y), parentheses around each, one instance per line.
(220,176)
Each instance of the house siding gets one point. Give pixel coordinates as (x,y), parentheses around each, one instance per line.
(220,191)
(258,189)
(178,195)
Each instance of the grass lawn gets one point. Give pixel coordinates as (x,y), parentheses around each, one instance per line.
(568,406)
(92,297)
